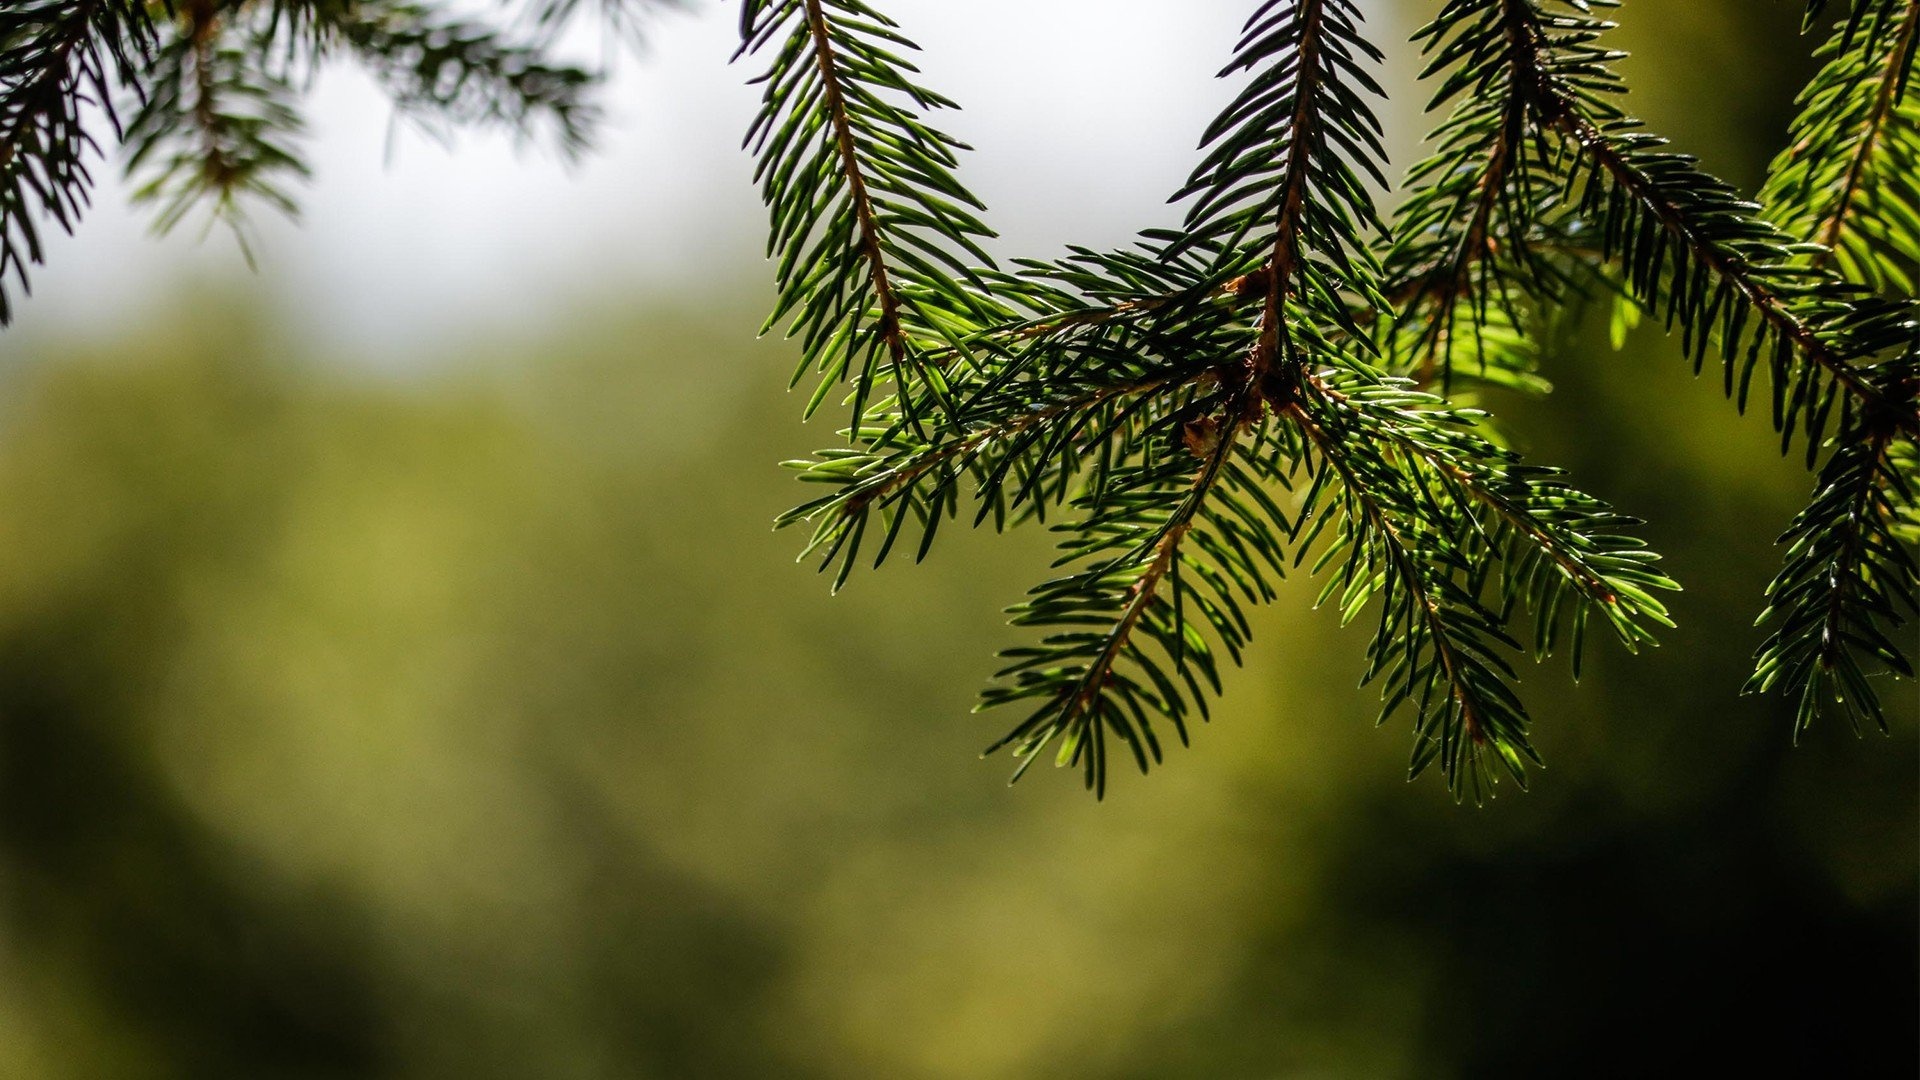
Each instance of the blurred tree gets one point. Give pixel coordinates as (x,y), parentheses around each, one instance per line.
(1285,339)
(204,94)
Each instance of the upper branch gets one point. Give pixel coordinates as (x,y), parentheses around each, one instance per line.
(1475,240)
(835,104)
(1724,262)
(1700,224)
(870,228)
(1279,196)
(1283,264)
(1848,178)
(54,54)
(1889,89)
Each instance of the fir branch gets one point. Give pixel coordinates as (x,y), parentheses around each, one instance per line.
(1547,540)
(1715,233)
(1454,533)
(1280,189)
(1435,645)
(1022,454)
(1684,240)
(1476,246)
(1102,353)
(1303,145)
(1107,375)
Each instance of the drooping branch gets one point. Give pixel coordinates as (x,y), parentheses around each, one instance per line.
(1419,644)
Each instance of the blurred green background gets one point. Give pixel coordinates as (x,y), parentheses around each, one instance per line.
(466,720)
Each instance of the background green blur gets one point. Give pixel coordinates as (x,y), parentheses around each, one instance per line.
(469,721)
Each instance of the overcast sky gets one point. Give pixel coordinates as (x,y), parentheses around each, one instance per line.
(1083,120)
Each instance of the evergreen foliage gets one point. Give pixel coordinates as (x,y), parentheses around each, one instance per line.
(1282,385)
(1268,388)
(204,95)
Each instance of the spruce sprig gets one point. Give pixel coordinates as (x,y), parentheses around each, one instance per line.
(872,232)
(1213,406)
(1683,241)
(214,128)
(1688,248)
(1850,580)
(1480,256)
(1849,179)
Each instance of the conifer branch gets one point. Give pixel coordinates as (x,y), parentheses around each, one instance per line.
(1146,579)
(1110,371)
(1849,583)
(1548,539)
(871,229)
(1434,644)
(1469,236)
(1847,177)
(1283,166)
(1015,455)
(1303,145)
(835,104)
(57,56)
(1890,90)
(443,72)
(1722,259)
(1165,393)
(1486,534)
(214,125)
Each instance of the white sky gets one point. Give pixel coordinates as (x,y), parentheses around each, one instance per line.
(1083,122)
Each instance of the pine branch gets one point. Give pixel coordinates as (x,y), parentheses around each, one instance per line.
(1435,645)
(1478,254)
(1284,165)
(1237,343)
(1023,453)
(1548,542)
(1454,533)
(1743,264)
(1685,243)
